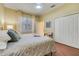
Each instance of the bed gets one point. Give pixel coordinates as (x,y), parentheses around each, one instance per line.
(29,45)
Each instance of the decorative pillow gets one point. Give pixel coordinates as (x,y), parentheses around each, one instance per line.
(14,35)
(4,38)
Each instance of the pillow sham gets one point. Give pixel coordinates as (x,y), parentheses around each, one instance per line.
(14,35)
(4,38)
(3,45)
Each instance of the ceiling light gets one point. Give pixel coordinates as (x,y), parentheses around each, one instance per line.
(38,7)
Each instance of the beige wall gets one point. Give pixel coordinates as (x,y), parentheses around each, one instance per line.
(33,23)
(65,9)
(40,26)
(19,16)
(1,16)
(11,17)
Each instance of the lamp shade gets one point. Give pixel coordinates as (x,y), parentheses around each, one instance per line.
(9,26)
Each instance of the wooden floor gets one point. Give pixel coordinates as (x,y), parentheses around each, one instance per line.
(64,50)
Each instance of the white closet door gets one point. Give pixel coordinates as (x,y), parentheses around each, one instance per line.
(78,30)
(66,30)
(75,39)
(63,30)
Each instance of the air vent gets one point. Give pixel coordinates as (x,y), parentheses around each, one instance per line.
(52,6)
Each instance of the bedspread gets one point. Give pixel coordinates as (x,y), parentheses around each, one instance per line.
(29,45)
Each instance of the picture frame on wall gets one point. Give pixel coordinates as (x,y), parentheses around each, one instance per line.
(48,24)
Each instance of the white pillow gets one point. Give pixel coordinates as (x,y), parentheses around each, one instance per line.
(3,45)
(4,38)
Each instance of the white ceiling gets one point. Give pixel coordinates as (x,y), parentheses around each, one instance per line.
(31,7)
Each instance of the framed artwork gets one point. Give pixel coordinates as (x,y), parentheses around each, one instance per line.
(48,24)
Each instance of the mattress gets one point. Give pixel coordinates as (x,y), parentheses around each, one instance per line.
(29,45)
